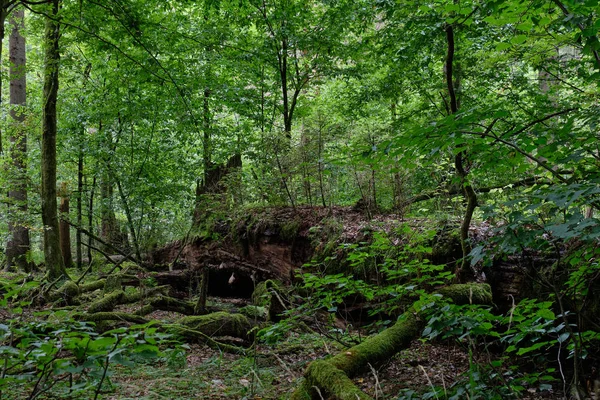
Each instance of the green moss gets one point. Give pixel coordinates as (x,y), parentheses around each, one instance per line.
(289,230)
(337,384)
(131,268)
(271,295)
(91,286)
(106,303)
(113,282)
(446,246)
(254,312)
(192,335)
(332,375)
(66,292)
(219,324)
(468,293)
(167,303)
(112,316)
(262,294)
(145,310)
(69,289)
(379,347)
(302,392)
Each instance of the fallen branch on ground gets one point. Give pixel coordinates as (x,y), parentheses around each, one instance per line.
(332,376)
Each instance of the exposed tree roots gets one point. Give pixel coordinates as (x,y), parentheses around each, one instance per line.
(331,377)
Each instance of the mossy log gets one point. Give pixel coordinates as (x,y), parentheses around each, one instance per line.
(166,303)
(113,299)
(186,333)
(107,302)
(67,292)
(220,324)
(332,376)
(91,286)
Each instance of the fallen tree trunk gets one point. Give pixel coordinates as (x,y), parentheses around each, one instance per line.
(185,332)
(332,376)
(117,297)
(166,303)
(220,324)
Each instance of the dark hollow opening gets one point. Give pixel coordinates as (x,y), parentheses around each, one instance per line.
(222,284)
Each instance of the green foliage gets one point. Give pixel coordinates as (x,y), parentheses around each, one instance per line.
(530,333)
(57,355)
(399,261)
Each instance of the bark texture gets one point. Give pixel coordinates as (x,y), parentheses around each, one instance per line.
(52,255)
(64,227)
(18,246)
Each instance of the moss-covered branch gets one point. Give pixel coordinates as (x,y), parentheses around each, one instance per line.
(220,324)
(332,376)
(113,299)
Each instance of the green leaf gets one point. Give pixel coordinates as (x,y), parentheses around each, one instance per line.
(503,46)
(519,39)
(563,337)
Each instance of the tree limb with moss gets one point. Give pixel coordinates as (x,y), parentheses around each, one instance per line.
(332,376)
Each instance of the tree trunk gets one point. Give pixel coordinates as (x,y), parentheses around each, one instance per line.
(287,118)
(3,7)
(64,228)
(54,262)
(108,220)
(78,244)
(200,307)
(18,244)
(463,272)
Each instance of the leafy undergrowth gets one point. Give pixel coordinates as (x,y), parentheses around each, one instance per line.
(140,362)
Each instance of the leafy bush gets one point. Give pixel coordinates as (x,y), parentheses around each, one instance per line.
(56,354)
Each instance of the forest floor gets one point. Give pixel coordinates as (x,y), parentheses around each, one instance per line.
(273,372)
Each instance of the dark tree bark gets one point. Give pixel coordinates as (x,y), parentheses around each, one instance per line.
(108,221)
(80,180)
(78,244)
(64,227)
(53,258)
(3,14)
(18,243)
(463,272)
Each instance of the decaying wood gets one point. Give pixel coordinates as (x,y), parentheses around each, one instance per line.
(166,303)
(220,324)
(332,376)
(198,333)
(117,297)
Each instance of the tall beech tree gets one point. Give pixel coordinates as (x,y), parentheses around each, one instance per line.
(17,247)
(52,254)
